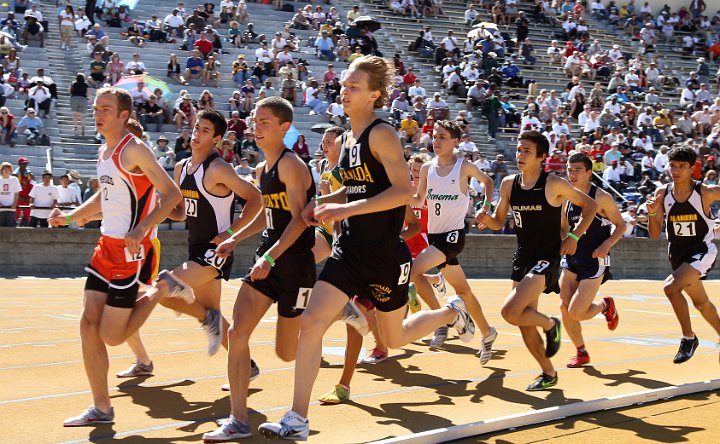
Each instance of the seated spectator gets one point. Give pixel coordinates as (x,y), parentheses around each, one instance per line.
(312,99)
(39,98)
(300,147)
(31,126)
(8,135)
(135,34)
(250,148)
(135,66)
(289,88)
(140,96)
(174,24)
(204,45)
(194,67)
(336,113)
(325,46)
(185,112)
(151,112)
(182,145)
(211,72)
(99,34)
(438,107)
(173,69)
(234,34)
(409,129)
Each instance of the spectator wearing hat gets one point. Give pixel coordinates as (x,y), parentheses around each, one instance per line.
(27,181)
(151,112)
(498,170)
(185,112)
(9,191)
(182,144)
(43,198)
(33,30)
(68,196)
(31,126)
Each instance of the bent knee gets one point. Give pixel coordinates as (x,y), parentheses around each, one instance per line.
(112,339)
(509,314)
(576,314)
(286,354)
(238,333)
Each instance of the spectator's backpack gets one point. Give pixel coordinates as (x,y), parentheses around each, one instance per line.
(44,140)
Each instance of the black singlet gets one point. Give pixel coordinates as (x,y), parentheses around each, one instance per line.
(537,223)
(596,234)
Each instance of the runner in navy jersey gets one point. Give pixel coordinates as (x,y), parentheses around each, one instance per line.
(689,225)
(587,269)
(536,199)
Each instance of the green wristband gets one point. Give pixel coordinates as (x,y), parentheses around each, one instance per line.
(573,236)
(487,203)
(652,214)
(269,258)
(68,218)
(229,230)
(318,200)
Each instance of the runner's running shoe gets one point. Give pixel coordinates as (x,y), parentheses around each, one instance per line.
(254,373)
(542,382)
(553,338)
(439,337)
(337,395)
(486,343)
(354,318)
(177,288)
(440,287)
(464,323)
(137,369)
(579,360)
(686,350)
(611,314)
(90,416)
(230,430)
(413,302)
(289,427)
(375,357)
(213,328)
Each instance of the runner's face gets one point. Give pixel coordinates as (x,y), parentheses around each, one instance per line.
(680,171)
(355,93)
(415,172)
(577,174)
(202,135)
(443,143)
(269,132)
(106,113)
(328,145)
(526,154)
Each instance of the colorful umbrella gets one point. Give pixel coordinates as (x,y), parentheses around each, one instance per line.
(151,84)
(482,29)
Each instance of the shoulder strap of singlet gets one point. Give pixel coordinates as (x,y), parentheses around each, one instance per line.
(542,180)
(323,165)
(369,128)
(593,190)
(284,151)
(124,141)
(206,163)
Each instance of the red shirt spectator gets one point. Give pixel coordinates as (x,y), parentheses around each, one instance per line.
(555,164)
(238,125)
(697,170)
(409,78)
(204,45)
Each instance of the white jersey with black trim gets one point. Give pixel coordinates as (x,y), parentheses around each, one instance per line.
(447,204)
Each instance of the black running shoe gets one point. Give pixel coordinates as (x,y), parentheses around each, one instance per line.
(543,382)
(686,350)
(552,339)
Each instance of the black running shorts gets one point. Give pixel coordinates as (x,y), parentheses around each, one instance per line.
(549,267)
(382,274)
(289,283)
(204,254)
(451,244)
(587,267)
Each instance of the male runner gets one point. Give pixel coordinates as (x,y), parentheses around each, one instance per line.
(284,271)
(587,269)
(369,256)
(129,175)
(689,225)
(444,183)
(536,199)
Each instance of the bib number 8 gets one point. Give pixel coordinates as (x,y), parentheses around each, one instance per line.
(213,260)
(684,228)
(191,207)
(438,207)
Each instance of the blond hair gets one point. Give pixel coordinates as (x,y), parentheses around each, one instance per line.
(420,158)
(381,73)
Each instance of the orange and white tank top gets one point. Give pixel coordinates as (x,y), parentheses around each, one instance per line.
(126,198)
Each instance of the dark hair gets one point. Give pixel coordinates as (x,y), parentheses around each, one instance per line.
(80,78)
(683,154)
(338,131)
(581,158)
(280,108)
(135,128)
(542,146)
(452,127)
(216,118)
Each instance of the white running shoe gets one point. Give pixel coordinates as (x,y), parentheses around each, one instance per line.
(290,427)
(440,287)
(90,416)
(137,369)
(177,288)
(439,337)
(464,323)
(354,318)
(213,328)
(230,430)
(486,343)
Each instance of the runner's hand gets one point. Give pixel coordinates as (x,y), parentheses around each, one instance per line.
(57,218)
(225,248)
(260,270)
(568,246)
(133,240)
(308,214)
(220,238)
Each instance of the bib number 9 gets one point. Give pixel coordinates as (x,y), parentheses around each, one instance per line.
(404,273)
(684,228)
(191,207)
(211,258)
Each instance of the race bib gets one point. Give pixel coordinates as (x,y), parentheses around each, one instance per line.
(211,258)
(303,298)
(684,228)
(135,257)
(191,207)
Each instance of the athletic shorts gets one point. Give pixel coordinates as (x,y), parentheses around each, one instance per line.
(380,273)
(587,267)
(327,236)
(204,254)
(701,258)
(550,268)
(289,283)
(417,244)
(450,244)
(114,271)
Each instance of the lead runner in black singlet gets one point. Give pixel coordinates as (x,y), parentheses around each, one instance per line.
(369,257)
(536,199)
(689,221)
(284,270)
(584,272)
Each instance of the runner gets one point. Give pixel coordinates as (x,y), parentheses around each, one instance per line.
(444,182)
(124,256)
(536,199)
(284,271)
(587,269)
(689,226)
(369,256)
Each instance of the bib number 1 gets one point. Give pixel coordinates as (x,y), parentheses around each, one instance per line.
(303,298)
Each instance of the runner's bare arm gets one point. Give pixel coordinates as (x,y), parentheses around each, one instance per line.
(178,213)
(223,173)
(418,199)
(608,208)
(85,211)
(656,209)
(497,219)
(473,171)
(565,191)
(412,224)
